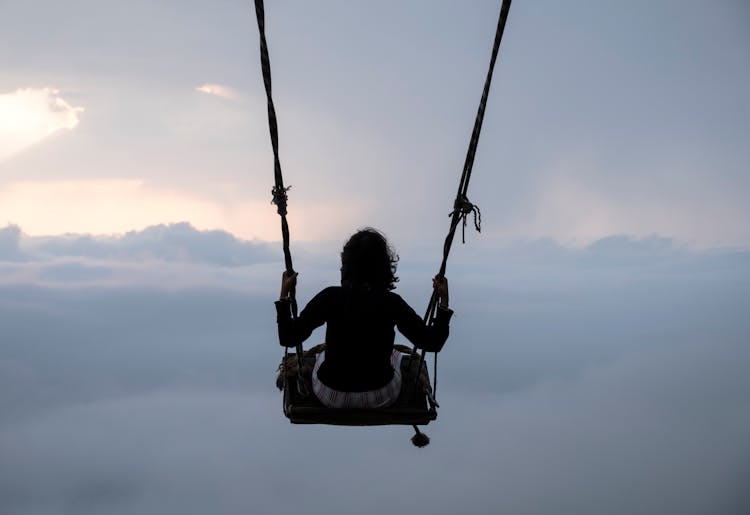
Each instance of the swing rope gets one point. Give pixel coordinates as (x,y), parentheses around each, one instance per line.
(462,207)
(278,192)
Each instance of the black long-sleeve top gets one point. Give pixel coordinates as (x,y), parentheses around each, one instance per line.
(359,333)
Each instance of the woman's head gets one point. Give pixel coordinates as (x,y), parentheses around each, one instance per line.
(368,260)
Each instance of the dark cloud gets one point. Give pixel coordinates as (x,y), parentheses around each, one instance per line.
(612,379)
(179,242)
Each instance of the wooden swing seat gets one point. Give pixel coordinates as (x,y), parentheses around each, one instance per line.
(411,408)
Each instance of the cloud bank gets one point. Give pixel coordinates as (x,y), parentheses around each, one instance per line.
(610,379)
(173,243)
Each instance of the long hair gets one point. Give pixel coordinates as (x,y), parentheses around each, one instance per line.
(367,260)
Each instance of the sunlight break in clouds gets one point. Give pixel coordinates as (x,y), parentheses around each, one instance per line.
(29,115)
(219,91)
(107,206)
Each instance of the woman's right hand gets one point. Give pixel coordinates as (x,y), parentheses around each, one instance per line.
(288,282)
(440,285)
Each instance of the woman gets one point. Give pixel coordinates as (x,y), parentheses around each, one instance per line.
(360,368)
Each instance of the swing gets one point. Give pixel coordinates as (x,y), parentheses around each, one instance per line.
(416,404)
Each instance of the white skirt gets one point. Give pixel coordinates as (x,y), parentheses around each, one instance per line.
(380,398)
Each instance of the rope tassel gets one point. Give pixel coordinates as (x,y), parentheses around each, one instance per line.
(419,439)
(278,191)
(462,208)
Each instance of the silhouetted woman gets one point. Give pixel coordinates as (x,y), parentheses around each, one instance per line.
(360,368)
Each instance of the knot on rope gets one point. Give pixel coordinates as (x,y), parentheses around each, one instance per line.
(462,208)
(280,198)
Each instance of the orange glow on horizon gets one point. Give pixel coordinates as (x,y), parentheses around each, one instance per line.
(113,206)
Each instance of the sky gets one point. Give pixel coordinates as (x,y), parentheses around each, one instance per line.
(598,359)
(604,117)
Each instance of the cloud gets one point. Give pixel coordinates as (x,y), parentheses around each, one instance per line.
(612,378)
(29,115)
(172,256)
(167,242)
(625,435)
(174,243)
(588,374)
(219,91)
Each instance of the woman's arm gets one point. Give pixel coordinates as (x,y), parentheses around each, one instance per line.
(294,331)
(428,337)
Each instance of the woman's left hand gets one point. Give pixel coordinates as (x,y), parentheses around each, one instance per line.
(440,284)
(288,282)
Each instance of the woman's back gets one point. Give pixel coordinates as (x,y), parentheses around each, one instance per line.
(359,339)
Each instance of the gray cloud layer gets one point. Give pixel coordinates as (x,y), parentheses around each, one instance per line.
(179,242)
(612,379)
